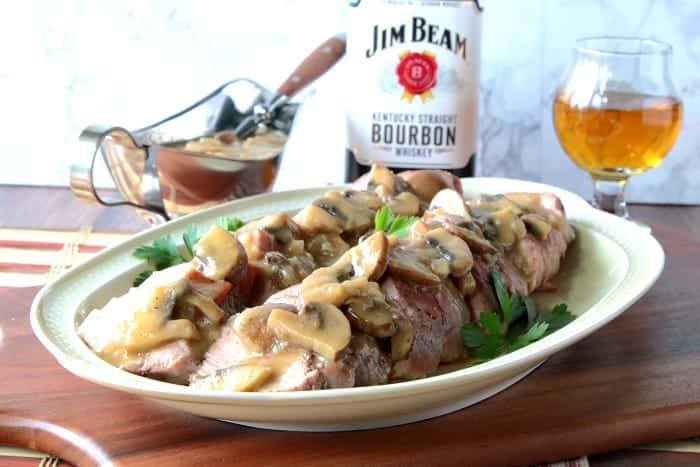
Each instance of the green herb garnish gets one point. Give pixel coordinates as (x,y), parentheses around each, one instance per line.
(495,337)
(190,237)
(230,223)
(557,317)
(142,277)
(385,221)
(162,254)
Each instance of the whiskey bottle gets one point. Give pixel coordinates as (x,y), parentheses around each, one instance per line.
(413,85)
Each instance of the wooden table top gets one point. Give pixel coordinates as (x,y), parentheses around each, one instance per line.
(635,381)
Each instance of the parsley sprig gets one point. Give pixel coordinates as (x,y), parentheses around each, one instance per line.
(497,335)
(163,252)
(230,223)
(385,221)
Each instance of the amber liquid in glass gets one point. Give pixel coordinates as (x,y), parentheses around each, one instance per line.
(617,134)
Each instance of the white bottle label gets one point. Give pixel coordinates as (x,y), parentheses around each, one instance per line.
(413,83)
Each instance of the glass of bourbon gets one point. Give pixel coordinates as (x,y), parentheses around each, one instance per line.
(616,112)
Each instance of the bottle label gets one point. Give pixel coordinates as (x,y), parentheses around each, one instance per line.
(413,88)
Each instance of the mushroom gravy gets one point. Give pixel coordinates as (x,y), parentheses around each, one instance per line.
(291,302)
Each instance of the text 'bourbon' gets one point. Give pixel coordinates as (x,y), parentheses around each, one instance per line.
(413,84)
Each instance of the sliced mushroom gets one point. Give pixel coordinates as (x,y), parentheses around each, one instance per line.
(326,285)
(440,266)
(413,265)
(205,305)
(451,202)
(276,225)
(320,327)
(425,183)
(402,340)
(353,216)
(143,338)
(369,258)
(351,275)
(365,198)
(285,271)
(405,204)
(474,240)
(507,225)
(218,254)
(430,256)
(491,203)
(466,229)
(534,202)
(453,249)
(326,248)
(381,176)
(150,323)
(537,224)
(500,219)
(371,316)
(251,327)
(313,220)
(237,378)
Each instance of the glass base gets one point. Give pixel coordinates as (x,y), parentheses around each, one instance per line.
(609,196)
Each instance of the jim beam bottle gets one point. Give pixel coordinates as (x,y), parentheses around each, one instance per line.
(414,84)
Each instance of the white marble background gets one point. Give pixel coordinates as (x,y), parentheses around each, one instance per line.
(67,64)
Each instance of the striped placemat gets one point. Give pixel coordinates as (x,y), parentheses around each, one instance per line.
(31,257)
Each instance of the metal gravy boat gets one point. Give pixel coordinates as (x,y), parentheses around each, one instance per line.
(152,171)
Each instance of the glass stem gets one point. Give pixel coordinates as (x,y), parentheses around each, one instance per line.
(609,195)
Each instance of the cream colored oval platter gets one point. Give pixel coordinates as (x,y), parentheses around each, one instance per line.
(611,264)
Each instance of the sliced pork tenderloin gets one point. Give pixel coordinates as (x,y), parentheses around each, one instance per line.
(436,315)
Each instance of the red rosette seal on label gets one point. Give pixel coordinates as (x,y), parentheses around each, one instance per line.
(417,73)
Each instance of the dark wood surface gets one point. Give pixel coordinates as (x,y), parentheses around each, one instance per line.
(635,381)
(57,208)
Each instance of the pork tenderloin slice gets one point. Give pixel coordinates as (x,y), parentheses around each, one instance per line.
(525,269)
(532,262)
(482,300)
(454,313)
(173,362)
(246,340)
(300,375)
(372,366)
(420,308)
(296,373)
(362,363)
(437,315)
